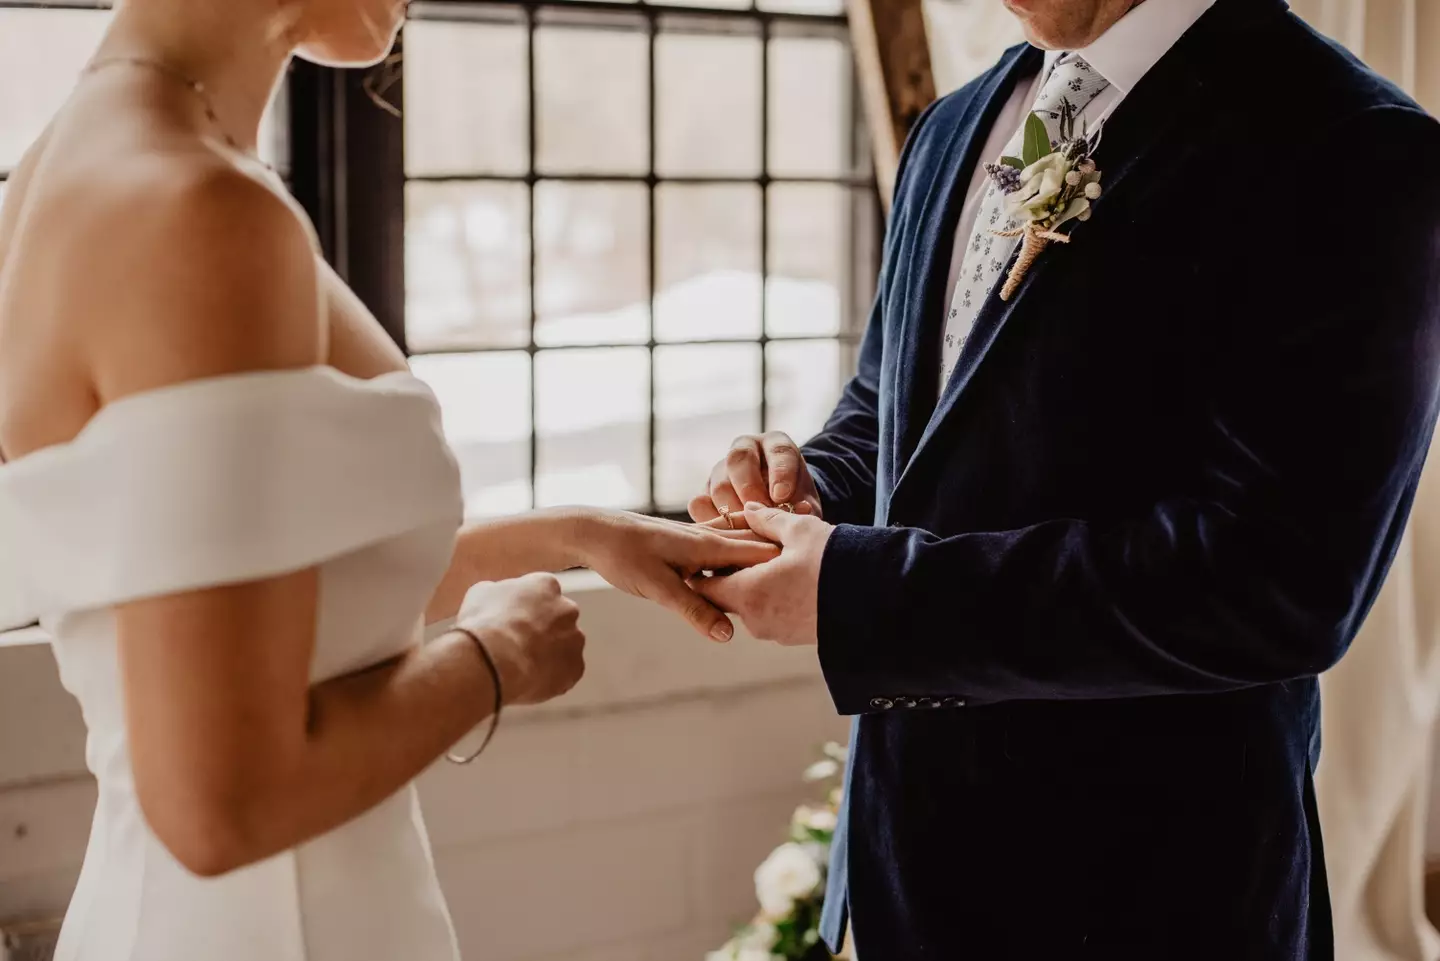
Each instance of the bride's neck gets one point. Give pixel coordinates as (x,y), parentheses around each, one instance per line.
(236,48)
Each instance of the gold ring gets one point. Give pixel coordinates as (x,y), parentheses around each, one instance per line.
(729,521)
(785,506)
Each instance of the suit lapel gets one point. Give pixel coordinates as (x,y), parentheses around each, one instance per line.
(918,371)
(1173,89)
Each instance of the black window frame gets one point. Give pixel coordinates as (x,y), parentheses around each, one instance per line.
(655,19)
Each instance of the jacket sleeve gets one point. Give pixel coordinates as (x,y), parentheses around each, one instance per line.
(1258,567)
(842,457)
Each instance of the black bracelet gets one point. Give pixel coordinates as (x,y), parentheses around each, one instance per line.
(499,699)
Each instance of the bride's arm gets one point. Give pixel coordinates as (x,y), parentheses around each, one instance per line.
(235,754)
(237,757)
(644,556)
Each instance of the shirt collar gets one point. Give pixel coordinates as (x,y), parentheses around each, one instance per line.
(1136,42)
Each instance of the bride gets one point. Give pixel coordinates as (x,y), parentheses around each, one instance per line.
(232,508)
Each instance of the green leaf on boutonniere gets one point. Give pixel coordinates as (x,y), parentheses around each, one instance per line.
(1037,139)
(1015,162)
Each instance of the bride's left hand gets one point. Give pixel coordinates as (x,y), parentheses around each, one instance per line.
(651,558)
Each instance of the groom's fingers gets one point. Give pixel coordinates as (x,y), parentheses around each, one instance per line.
(783,464)
(746,468)
(771,522)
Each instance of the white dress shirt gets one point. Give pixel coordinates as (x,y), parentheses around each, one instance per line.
(1122,55)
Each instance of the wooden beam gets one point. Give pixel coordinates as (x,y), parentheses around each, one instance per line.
(892,60)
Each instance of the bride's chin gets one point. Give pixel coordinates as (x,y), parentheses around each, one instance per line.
(343,56)
(364,48)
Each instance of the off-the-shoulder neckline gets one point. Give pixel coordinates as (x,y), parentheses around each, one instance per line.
(179,388)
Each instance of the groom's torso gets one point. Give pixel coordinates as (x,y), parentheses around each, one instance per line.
(1180,825)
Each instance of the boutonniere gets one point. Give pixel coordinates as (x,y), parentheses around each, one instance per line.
(1049,185)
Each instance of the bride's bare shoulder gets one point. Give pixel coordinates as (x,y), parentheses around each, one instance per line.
(187,270)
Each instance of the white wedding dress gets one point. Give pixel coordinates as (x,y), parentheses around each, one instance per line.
(220,481)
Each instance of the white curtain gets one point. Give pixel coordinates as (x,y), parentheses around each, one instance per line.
(1379,707)
(1397,38)
(1381,703)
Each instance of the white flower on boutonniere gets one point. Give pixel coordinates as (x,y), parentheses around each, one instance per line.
(1045,189)
(789,873)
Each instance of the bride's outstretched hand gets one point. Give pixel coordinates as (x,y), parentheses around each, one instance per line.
(651,558)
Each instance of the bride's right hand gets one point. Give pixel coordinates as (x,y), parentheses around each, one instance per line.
(531,631)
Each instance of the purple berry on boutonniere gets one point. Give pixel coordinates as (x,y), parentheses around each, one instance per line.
(1056,182)
(1005,176)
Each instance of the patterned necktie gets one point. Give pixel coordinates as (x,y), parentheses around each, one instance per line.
(986,255)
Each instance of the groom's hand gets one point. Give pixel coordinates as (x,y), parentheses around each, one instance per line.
(765,469)
(778,599)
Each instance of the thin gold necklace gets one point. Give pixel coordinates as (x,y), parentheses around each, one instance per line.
(195,87)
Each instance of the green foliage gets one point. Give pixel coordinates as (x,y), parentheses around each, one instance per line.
(796,935)
(1037,139)
(797,938)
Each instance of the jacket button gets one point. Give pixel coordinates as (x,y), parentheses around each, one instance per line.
(882,703)
(929,702)
(954,702)
(905,701)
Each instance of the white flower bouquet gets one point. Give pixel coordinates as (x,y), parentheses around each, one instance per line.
(790,884)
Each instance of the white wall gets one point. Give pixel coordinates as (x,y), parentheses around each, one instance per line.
(621,823)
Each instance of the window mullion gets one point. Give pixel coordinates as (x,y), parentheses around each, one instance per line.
(651,27)
(532,125)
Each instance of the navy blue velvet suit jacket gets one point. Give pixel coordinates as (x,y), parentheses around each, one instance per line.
(1080,606)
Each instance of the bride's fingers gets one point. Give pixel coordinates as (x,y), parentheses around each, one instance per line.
(702,510)
(739,533)
(671,591)
(736,522)
(736,519)
(724,497)
(723,553)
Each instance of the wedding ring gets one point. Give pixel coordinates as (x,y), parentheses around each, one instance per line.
(785,506)
(725,513)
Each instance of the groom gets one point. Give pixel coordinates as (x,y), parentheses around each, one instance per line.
(1075,557)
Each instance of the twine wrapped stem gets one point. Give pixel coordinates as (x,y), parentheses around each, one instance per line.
(1036,239)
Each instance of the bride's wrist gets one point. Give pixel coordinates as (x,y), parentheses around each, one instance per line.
(577,532)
